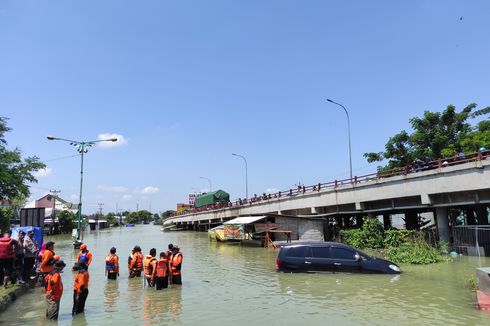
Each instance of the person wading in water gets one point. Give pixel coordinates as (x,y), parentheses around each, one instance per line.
(160,273)
(80,289)
(112,265)
(54,290)
(136,264)
(149,265)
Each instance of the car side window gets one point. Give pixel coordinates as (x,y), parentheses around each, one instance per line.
(320,252)
(297,251)
(342,253)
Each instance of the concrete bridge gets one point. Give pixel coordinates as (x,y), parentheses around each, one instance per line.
(444,187)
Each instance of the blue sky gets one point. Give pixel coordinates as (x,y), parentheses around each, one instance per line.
(186,83)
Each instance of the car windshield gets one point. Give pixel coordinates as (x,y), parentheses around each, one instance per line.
(364,255)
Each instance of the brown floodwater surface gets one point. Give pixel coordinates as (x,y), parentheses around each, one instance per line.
(233,285)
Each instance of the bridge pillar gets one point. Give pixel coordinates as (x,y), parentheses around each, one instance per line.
(481,214)
(359,220)
(346,221)
(470,216)
(387,221)
(442,224)
(314,210)
(411,220)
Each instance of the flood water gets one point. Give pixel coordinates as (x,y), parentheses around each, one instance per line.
(233,285)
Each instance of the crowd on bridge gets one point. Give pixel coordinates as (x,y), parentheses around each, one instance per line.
(23,260)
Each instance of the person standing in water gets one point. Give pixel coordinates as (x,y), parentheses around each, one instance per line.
(112,265)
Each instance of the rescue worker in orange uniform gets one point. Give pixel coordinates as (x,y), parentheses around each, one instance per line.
(84,256)
(112,265)
(136,264)
(160,273)
(47,262)
(176,265)
(54,290)
(149,265)
(80,289)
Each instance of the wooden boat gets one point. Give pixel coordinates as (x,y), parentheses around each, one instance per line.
(217,233)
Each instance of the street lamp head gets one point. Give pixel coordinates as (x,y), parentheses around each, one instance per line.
(51,137)
(113,139)
(329,100)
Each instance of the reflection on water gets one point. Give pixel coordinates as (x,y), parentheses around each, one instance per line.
(229,284)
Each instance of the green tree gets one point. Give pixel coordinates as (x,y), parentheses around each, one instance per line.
(6,214)
(436,135)
(66,220)
(15,173)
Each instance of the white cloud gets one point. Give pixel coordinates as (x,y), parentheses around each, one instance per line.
(117,189)
(120,140)
(127,197)
(43,173)
(149,190)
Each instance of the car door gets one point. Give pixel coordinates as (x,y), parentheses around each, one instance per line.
(295,258)
(320,259)
(344,260)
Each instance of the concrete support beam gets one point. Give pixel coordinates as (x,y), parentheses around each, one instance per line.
(425,199)
(442,223)
(314,210)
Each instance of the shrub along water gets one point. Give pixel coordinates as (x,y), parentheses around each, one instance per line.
(402,246)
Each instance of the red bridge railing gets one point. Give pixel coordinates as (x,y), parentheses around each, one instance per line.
(415,167)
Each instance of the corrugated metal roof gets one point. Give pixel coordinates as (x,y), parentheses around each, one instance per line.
(245,219)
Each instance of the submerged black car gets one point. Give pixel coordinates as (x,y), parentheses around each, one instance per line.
(330,257)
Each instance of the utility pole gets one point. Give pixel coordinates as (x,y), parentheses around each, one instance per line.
(54,193)
(100,214)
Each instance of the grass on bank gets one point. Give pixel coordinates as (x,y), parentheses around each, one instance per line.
(399,246)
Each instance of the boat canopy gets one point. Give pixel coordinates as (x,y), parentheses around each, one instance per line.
(218,196)
(245,219)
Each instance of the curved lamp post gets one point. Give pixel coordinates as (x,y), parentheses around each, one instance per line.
(246,173)
(348,131)
(82,147)
(210,184)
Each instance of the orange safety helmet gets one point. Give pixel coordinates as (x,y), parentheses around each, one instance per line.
(83,246)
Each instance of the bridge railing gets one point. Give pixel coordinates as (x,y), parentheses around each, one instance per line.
(415,167)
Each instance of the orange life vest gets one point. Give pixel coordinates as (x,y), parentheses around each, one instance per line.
(137,262)
(147,264)
(54,284)
(81,280)
(112,263)
(47,263)
(161,268)
(176,263)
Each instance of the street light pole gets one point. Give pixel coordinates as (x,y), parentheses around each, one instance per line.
(82,147)
(348,131)
(210,184)
(246,173)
